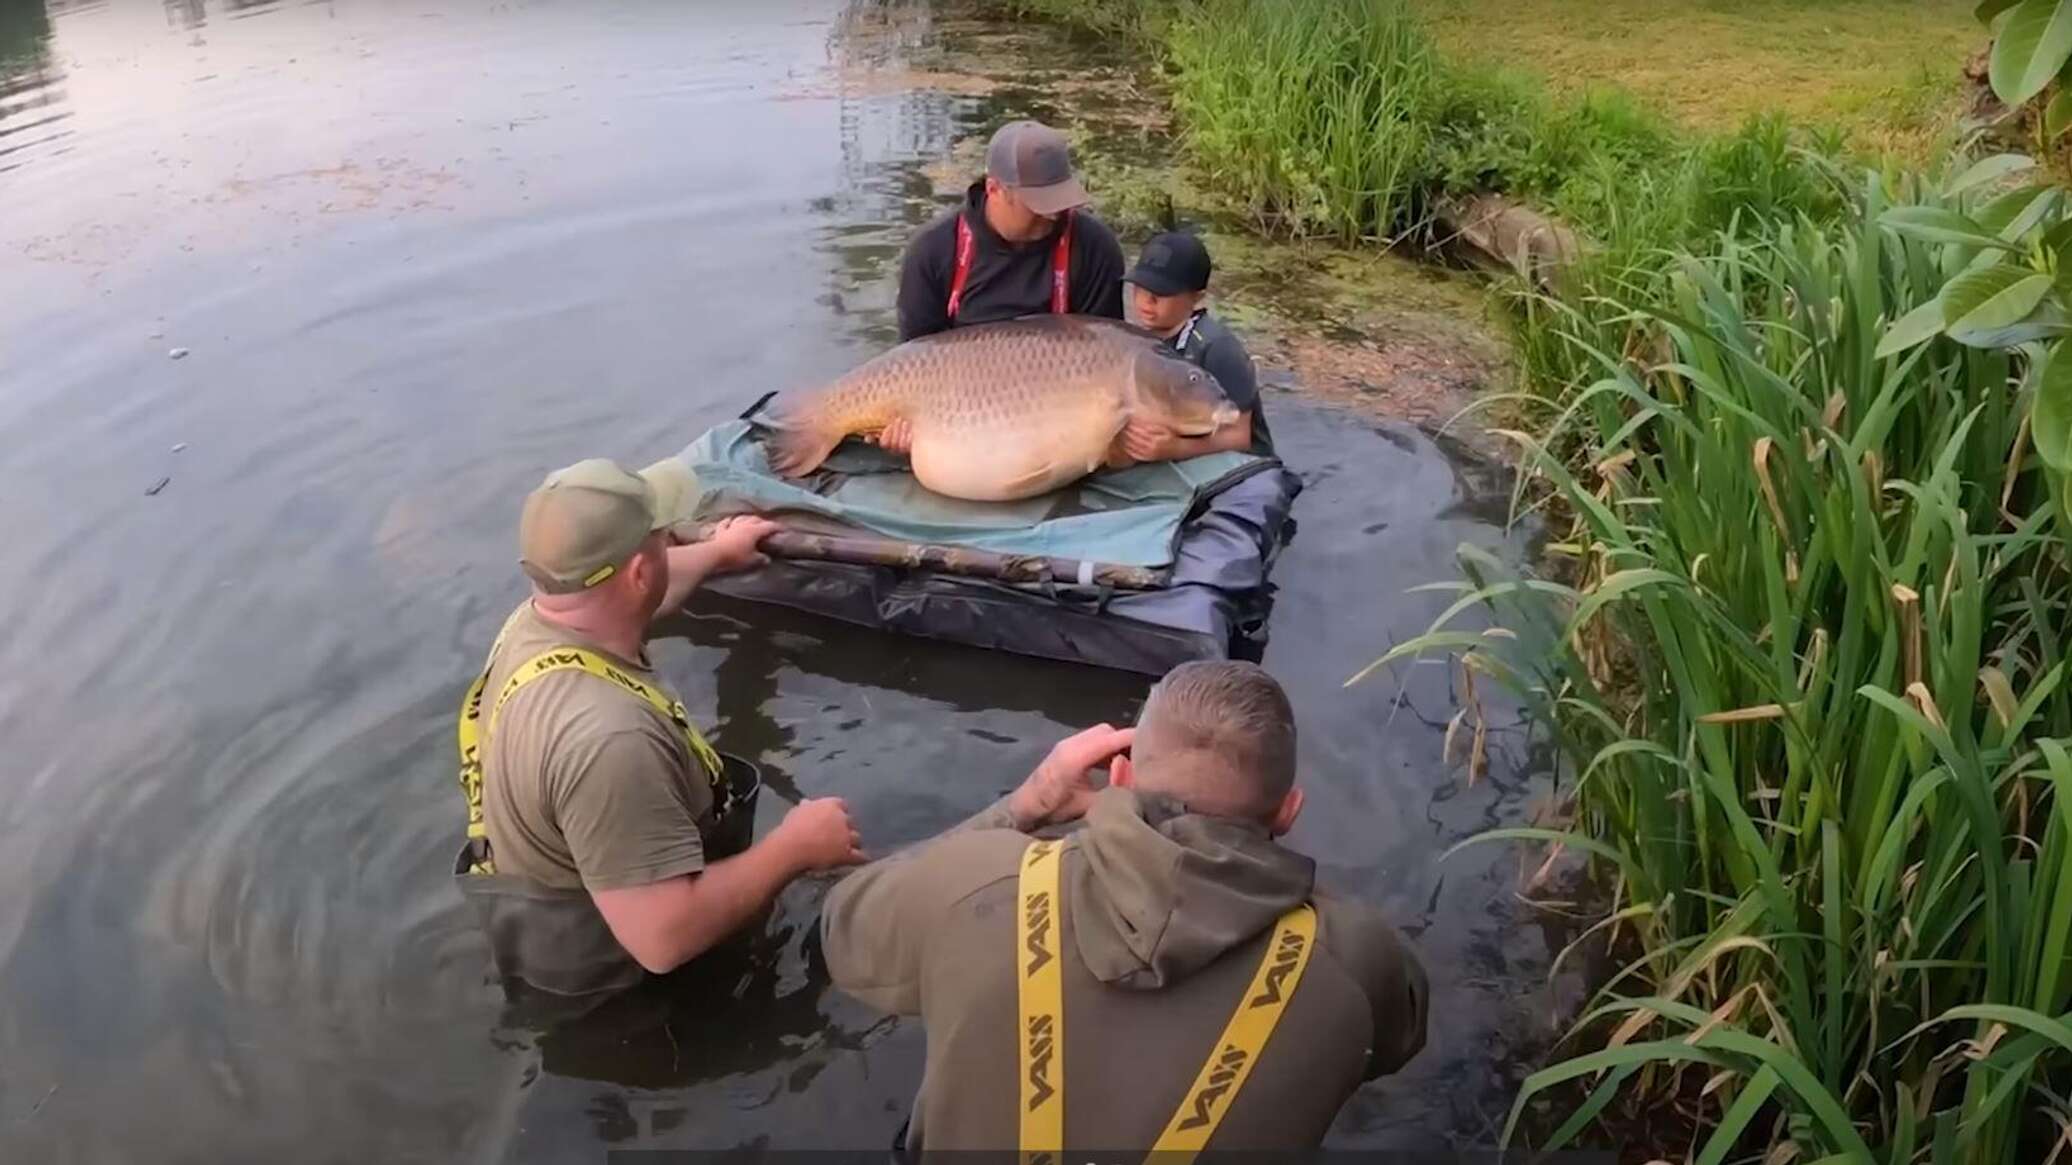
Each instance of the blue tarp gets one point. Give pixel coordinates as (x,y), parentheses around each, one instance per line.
(1127,516)
(1213,524)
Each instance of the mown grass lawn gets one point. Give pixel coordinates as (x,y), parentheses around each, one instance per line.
(1886,71)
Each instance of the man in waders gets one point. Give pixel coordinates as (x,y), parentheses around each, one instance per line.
(1165,977)
(592,801)
(1021,244)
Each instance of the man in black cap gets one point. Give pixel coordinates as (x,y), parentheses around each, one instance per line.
(1166,290)
(1021,244)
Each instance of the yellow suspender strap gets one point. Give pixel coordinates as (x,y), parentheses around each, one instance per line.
(1042,995)
(1042,1032)
(579,659)
(1234,1053)
(469,731)
(472,730)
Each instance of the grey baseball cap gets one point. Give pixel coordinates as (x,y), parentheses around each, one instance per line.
(1033,160)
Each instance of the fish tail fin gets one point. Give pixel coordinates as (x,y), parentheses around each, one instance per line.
(798,444)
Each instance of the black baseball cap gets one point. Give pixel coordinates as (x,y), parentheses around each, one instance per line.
(1174,263)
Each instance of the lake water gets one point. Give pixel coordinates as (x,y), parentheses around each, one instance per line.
(417,254)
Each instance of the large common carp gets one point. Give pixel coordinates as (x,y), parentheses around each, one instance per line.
(1005,410)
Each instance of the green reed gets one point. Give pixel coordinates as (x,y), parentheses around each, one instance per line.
(1807,670)
(1310,112)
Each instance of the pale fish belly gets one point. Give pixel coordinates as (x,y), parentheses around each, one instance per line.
(1016,442)
(997,411)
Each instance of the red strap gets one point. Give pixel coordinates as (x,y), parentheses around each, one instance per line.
(1060,267)
(963,272)
(1061,270)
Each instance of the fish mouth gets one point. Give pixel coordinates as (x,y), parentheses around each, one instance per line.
(1224,414)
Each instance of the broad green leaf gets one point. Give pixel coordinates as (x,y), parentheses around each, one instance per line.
(2015,213)
(1934,224)
(2059,236)
(1988,170)
(2058,242)
(1988,9)
(1978,304)
(2034,212)
(2057,116)
(2048,321)
(1916,326)
(2032,45)
(1995,216)
(2050,419)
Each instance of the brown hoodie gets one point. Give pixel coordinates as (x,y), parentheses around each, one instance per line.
(1165,917)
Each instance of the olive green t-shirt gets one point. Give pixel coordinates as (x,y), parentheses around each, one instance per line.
(586,786)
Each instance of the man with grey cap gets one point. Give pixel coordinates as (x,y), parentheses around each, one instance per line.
(590,795)
(1021,244)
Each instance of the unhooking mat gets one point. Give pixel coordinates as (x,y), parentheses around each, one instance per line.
(1216,523)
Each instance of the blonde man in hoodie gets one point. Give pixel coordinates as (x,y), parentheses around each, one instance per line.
(1164,976)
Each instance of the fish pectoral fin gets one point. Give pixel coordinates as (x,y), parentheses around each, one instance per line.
(797,451)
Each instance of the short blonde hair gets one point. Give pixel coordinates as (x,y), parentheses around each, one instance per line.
(1220,736)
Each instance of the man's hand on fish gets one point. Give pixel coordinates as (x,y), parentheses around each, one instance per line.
(1061,789)
(896,437)
(1146,441)
(1149,441)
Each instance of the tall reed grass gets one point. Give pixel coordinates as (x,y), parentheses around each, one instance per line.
(1339,118)
(1140,20)
(1809,670)
(1312,112)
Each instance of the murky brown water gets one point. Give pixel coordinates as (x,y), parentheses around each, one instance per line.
(419,254)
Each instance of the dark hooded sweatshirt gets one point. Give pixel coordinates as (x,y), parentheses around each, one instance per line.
(1006,279)
(1165,916)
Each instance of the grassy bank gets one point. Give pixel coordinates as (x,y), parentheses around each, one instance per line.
(1346,117)
(1882,72)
